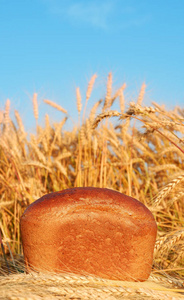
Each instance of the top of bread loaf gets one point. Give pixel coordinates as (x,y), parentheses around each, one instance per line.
(89,198)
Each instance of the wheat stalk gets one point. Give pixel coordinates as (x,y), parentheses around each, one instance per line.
(118,93)
(60,167)
(90,86)
(141,94)
(39,154)
(167,189)
(165,243)
(55,105)
(88,93)
(100,117)
(109,92)
(35,105)
(19,122)
(7,112)
(122,101)
(1,116)
(79,100)
(82,287)
(36,164)
(64,155)
(164,167)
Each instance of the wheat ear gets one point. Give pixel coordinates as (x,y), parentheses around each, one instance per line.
(141,94)
(118,93)
(88,93)
(19,122)
(7,112)
(109,92)
(100,117)
(167,189)
(55,105)
(35,106)
(79,100)
(90,86)
(165,243)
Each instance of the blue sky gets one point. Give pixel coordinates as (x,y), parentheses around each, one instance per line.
(53,46)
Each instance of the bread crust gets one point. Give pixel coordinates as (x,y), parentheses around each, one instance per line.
(89,231)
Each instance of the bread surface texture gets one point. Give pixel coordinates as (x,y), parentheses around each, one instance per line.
(89,230)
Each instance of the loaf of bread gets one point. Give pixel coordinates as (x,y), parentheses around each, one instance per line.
(89,230)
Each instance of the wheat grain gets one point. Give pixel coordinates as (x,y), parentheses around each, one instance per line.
(108,94)
(90,86)
(47,122)
(93,110)
(136,109)
(6,203)
(122,101)
(164,167)
(60,167)
(167,189)
(35,105)
(164,278)
(175,197)
(118,93)
(55,105)
(40,155)
(171,240)
(159,107)
(10,144)
(95,145)
(88,130)
(88,93)
(1,116)
(83,135)
(172,150)
(83,287)
(141,94)
(36,164)
(79,100)
(19,122)
(109,114)
(7,112)
(64,155)
(111,133)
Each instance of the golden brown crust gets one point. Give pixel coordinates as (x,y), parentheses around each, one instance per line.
(90,230)
(94,198)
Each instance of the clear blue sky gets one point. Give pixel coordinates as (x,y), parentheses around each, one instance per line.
(53,46)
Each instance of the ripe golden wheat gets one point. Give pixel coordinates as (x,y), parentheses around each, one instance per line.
(143,159)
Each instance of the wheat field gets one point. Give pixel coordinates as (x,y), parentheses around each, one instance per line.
(136,150)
